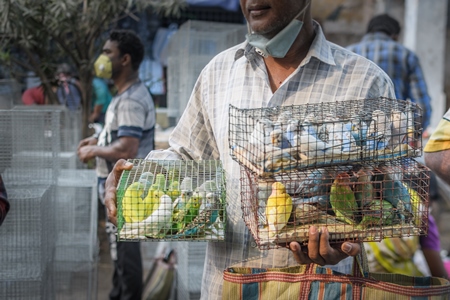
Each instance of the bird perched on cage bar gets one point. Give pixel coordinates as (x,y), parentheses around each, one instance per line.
(278,208)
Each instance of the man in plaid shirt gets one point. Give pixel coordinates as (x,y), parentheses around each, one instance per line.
(286,60)
(4,204)
(401,64)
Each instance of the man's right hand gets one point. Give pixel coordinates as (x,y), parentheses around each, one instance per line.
(111,186)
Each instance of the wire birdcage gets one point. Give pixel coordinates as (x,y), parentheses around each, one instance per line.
(285,138)
(365,202)
(172,200)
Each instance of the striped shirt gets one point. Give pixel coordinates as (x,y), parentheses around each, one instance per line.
(403,67)
(238,76)
(131,113)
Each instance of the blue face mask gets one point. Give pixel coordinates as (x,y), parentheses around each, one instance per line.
(279,45)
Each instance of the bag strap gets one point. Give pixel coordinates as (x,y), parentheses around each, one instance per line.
(361,264)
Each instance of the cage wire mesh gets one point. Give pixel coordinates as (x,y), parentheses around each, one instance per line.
(190,49)
(76,280)
(172,200)
(30,150)
(27,243)
(190,260)
(285,138)
(365,202)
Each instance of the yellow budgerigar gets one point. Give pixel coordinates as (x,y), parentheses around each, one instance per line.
(133,207)
(278,208)
(152,201)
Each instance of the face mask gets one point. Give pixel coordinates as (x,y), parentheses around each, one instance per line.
(103,67)
(280,44)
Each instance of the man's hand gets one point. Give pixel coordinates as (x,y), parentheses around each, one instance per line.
(111,186)
(319,250)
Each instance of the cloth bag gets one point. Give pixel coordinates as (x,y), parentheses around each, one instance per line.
(315,282)
(160,280)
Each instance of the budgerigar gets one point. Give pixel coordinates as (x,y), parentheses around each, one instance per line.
(186,184)
(278,208)
(207,216)
(312,146)
(379,131)
(133,207)
(292,130)
(180,210)
(317,182)
(417,206)
(160,182)
(358,129)
(151,201)
(279,139)
(193,205)
(394,191)
(341,138)
(159,222)
(364,191)
(173,191)
(261,132)
(342,199)
(399,128)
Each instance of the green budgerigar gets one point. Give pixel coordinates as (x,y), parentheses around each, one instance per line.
(193,206)
(134,208)
(342,199)
(173,190)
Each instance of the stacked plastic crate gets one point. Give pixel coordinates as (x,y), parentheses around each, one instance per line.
(75,259)
(189,50)
(348,166)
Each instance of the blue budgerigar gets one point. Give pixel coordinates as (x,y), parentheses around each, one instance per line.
(317,182)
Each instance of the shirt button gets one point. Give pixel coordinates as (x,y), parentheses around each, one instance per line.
(253,244)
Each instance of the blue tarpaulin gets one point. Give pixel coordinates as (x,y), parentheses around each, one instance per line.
(232,5)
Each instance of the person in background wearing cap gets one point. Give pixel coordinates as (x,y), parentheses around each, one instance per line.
(286,60)
(380,45)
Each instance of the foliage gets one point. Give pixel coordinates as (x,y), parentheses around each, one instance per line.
(36,35)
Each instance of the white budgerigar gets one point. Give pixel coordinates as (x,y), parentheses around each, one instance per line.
(157,223)
(399,128)
(261,132)
(379,131)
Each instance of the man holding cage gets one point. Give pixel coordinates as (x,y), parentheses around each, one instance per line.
(286,60)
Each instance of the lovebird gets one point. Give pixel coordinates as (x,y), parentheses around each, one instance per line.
(158,222)
(133,207)
(342,199)
(206,217)
(364,190)
(278,208)
(374,215)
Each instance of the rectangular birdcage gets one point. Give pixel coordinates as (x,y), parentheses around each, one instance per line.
(172,200)
(27,243)
(75,280)
(365,202)
(285,138)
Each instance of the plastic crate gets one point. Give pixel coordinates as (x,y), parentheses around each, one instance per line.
(286,138)
(172,200)
(366,202)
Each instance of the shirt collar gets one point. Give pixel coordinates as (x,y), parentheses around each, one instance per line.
(372,36)
(320,49)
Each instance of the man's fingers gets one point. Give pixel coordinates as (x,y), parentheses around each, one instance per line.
(314,246)
(351,249)
(300,254)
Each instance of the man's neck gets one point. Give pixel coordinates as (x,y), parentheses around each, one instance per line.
(124,82)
